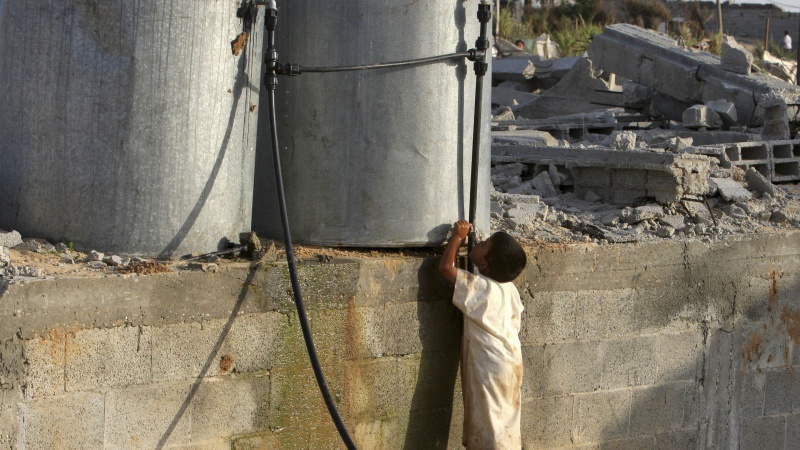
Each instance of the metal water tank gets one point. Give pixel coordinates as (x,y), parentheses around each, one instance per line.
(128,126)
(378,158)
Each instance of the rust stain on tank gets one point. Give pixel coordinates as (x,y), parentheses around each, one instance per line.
(773,289)
(753,350)
(238,44)
(791,319)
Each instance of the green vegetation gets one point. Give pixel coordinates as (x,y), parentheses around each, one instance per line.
(573,26)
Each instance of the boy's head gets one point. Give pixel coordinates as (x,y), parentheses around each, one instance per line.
(500,257)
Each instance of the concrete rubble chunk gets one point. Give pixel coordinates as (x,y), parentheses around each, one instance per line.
(10,238)
(698,116)
(524,188)
(526,137)
(725,109)
(503,113)
(636,95)
(580,90)
(677,144)
(676,221)
(514,68)
(731,190)
(772,111)
(556,177)
(513,169)
(623,140)
(545,47)
(509,97)
(759,183)
(735,58)
(5,259)
(656,60)
(641,213)
(544,185)
(94,255)
(618,176)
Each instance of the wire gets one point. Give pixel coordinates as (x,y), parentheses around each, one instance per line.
(410,62)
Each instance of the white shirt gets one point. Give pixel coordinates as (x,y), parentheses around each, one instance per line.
(491,361)
(787,42)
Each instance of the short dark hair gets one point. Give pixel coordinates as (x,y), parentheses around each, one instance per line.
(505,257)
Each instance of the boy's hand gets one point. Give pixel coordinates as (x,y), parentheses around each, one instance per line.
(461,229)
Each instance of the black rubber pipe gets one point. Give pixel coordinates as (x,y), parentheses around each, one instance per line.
(272,82)
(481,67)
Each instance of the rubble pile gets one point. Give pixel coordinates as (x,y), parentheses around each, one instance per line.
(645,140)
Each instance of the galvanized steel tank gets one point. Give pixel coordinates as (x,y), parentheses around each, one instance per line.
(128,126)
(376,158)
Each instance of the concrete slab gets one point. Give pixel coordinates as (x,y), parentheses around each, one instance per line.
(731,190)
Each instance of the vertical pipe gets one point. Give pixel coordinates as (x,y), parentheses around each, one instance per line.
(481,66)
(766,36)
(797,68)
(272,82)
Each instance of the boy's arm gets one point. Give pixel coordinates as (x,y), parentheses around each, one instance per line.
(447,265)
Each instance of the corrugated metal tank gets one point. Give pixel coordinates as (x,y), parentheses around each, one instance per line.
(377,158)
(128,126)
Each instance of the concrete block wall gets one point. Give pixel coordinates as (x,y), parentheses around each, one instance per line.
(777,160)
(667,345)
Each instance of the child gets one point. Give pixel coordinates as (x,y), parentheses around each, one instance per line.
(491,360)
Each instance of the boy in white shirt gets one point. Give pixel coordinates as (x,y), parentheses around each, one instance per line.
(491,358)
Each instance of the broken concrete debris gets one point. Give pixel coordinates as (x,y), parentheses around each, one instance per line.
(656,60)
(734,57)
(687,145)
(701,116)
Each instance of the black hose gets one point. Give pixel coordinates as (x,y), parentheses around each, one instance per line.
(410,62)
(272,19)
(481,66)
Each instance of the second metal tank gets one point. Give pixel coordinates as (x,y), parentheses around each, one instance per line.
(376,158)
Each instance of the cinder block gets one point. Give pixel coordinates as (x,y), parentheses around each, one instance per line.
(679,440)
(377,433)
(46,358)
(71,421)
(549,317)
(428,429)
(763,432)
(418,384)
(362,328)
(601,416)
(792,430)
(108,357)
(628,178)
(591,177)
(606,314)
(765,346)
(627,196)
(208,444)
(694,409)
(413,327)
(782,393)
(248,343)
(753,390)
(229,405)
(680,356)
(629,362)
(295,400)
(143,417)
(547,422)
(658,409)
(533,370)
(629,444)
(570,367)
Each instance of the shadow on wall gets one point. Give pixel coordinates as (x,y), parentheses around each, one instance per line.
(213,358)
(432,405)
(701,355)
